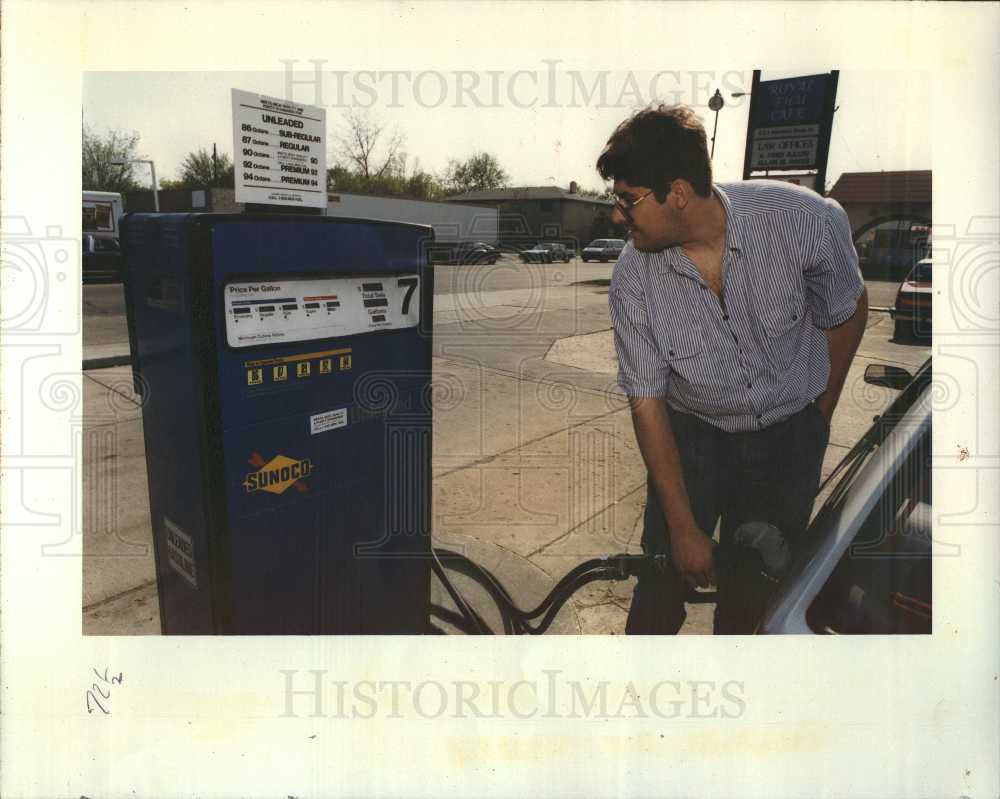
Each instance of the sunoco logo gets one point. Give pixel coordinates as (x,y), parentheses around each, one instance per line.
(278,474)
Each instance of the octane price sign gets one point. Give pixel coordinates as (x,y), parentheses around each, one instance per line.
(280,151)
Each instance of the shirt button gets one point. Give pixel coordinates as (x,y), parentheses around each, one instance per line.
(795,317)
(671,353)
(725,317)
(749,385)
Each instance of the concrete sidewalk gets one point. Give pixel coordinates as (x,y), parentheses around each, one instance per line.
(535,464)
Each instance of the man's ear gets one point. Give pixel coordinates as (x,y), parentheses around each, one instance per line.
(683,192)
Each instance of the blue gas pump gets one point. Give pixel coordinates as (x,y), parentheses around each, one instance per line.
(284,362)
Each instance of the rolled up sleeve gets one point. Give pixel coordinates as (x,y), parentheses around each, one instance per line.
(833,278)
(641,369)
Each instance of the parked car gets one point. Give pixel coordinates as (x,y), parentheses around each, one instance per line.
(102,260)
(547,252)
(912,311)
(603,250)
(865,563)
(464,252)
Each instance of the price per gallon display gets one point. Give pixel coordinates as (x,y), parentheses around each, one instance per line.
(307,309)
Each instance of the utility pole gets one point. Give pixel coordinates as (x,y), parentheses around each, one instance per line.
(715,103)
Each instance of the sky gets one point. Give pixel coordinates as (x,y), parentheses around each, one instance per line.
(545,121)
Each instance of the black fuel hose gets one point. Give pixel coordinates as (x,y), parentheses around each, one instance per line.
(757,549)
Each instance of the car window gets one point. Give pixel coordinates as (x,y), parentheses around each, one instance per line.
(616,243)
(921,273)
(882,584)
(596,243)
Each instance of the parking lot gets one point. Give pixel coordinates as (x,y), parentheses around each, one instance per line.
(535,464)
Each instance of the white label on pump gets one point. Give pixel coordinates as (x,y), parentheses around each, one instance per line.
(328,420)
(305,309)
(180,552)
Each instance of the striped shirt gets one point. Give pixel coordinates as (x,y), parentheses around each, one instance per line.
(760,354)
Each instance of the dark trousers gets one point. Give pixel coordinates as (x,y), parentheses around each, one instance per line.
(768,475)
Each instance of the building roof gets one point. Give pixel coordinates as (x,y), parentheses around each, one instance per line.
(525,193)
(913,187)
(336,196)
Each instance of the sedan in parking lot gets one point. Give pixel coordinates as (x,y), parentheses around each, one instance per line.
(464,252)
(547,252)
(864,566)
(912,312)
(603,250)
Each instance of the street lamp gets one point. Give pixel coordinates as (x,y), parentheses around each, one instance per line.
(152,170)
(716,103)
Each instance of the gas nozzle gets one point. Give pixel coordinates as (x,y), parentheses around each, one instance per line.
(769,543)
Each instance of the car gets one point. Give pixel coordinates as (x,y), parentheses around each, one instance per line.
(102,259)
(464,252)
(864,566)
(547,252)
(912,311)
(603,250)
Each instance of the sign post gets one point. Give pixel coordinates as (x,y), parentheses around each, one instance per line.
(790,124)
(279,150)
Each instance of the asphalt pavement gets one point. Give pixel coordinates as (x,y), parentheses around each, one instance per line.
(535,464)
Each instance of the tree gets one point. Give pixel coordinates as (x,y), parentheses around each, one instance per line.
(478,172)
(98,173)
(199,171)
(604,194)
(367,149)
(417,185)
(370,160)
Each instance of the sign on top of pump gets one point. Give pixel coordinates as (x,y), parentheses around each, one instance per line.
(279,151)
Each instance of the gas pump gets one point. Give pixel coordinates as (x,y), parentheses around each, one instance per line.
(284,362)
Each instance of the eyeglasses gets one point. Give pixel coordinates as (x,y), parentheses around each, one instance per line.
(626,205)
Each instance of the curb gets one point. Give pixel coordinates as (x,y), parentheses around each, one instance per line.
(105,363)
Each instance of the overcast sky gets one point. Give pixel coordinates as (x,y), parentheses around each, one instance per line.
(546,122)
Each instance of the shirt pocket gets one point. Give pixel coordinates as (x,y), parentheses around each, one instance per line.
(681,343)
(780,309)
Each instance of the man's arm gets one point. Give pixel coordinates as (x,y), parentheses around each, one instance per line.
(843,340)
(690,547)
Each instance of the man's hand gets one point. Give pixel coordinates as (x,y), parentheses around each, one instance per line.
(690,548)
(691,552)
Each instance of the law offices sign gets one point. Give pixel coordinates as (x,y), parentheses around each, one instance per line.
(790,124)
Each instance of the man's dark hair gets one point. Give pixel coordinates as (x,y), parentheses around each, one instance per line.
(657,145)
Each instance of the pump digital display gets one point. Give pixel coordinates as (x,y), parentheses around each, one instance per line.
(318,308)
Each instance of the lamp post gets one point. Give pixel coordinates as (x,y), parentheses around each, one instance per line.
(716,103)
(152,170)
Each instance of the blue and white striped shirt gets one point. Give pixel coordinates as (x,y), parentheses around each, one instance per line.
(789,270)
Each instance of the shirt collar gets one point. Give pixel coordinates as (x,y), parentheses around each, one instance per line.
(734,234)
